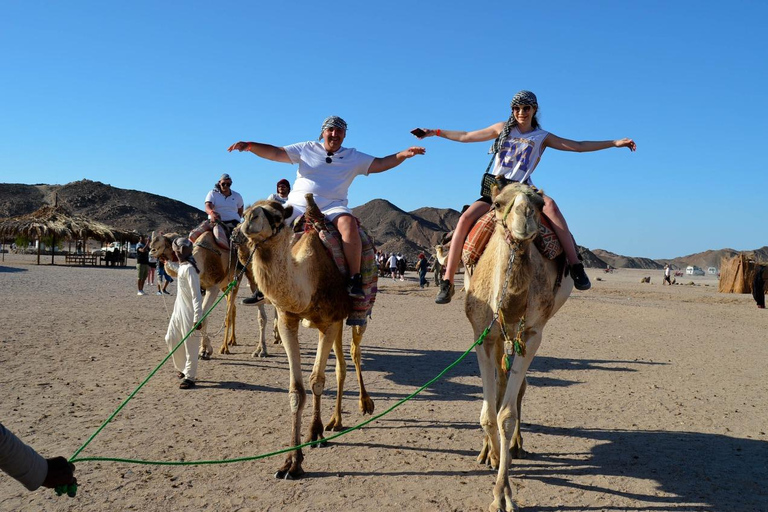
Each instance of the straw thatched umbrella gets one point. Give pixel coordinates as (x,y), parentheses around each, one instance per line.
(60,223)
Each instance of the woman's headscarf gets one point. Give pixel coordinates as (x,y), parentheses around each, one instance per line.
(521,98)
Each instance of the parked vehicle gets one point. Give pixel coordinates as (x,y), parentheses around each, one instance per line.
(693,270)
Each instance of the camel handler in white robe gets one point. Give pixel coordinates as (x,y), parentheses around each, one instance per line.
(187,311)
(326,169)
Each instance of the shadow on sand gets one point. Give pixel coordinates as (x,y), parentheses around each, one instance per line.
(732,470)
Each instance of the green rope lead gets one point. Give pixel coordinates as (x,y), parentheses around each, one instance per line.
(111,417)
(293,448)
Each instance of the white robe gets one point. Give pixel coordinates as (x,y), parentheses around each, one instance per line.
(187,311)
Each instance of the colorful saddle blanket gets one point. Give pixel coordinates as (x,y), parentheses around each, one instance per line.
(331,238)
(547,241)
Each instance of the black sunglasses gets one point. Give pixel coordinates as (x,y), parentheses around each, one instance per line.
(328,158)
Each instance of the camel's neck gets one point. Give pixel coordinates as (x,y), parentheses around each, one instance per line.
(284,272)
(513,272)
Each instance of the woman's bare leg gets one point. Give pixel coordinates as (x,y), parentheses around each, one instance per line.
(467,220)
(580,278)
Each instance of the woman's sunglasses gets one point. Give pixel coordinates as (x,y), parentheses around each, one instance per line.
(521,108)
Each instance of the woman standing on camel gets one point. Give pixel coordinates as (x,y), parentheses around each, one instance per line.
(519,143)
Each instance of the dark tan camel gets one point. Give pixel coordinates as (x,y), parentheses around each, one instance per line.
(303,283)
(514,278)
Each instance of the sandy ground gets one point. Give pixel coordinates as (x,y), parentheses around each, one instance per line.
(642,397)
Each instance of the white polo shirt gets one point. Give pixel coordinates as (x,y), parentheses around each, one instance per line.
(328,182)
(225,206)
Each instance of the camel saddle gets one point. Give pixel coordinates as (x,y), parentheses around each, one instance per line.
(331,238)
(546,242)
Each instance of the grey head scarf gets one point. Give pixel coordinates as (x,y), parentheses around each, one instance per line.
(332,122)
(521,98)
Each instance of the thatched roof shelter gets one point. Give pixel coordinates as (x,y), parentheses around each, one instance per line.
(60,223)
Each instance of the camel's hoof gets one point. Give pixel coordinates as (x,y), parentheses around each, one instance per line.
(366,406)
(335,427)
(322,444)
(518,453)
(283,474)
(205,356)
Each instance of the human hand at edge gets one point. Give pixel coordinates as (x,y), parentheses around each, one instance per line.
(238,146)
(60,472)
(626,143)
(413,151)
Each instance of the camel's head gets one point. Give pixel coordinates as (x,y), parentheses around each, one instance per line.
(160,244)
(518,209)
(264,219)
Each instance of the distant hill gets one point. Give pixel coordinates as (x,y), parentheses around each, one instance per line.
(393,229)
(712,258)
(618,261)
(116,207)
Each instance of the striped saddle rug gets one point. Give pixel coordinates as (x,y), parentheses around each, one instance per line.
(547,241)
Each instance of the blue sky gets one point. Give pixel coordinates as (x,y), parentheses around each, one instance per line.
(148,96)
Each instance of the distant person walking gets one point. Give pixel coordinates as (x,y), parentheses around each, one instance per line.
(187,311)
(421,268)
(667,275)
(392,264)
(142,263)
(163,279)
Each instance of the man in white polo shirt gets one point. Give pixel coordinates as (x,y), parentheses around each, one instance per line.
(224,207)
(326,169)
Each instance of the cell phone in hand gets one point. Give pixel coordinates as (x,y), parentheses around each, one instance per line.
(418,132)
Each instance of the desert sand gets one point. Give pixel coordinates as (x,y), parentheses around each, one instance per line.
(642,397)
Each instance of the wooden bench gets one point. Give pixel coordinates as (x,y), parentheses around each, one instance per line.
(81,259)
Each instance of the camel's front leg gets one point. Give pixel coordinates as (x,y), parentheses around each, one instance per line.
(489,454)
(261,349)
(508,422)
(229,323)
(275,331)
(326,339)
(366,403)
(341,375)
(289,327)
(205,344)
(516,448)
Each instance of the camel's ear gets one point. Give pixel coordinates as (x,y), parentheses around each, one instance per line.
(287,211)
(152,237)
(494,191)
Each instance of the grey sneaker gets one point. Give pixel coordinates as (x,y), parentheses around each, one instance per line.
(446,292)
(580,278)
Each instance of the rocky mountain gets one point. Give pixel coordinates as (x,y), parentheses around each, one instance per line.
(393,229)
(618,261)
(713,258)
(116,207)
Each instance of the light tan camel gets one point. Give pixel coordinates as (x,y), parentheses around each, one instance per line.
(215,274)
(511,274)
(303,283)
